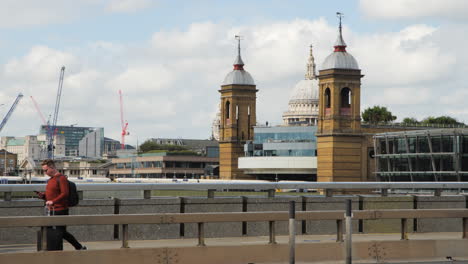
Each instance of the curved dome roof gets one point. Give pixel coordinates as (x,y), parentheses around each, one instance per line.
(305,90)
(340,60)
(238,77)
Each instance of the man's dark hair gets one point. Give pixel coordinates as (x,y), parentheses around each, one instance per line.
(48,162)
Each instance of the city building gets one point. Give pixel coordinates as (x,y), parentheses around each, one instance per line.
(238,116)
(76,168)
(281,153)
(303,104)
(33,147)
(92,144)
(423,155)
(8,162)
(73,135)
(202,147)
(161,165)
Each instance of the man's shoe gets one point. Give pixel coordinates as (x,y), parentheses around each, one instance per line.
(83,248)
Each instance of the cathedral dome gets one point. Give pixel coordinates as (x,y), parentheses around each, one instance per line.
(304,100)
(305,91)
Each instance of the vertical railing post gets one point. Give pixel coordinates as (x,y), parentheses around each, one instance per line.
(271,193)
(7,196)
(147,194)
(271,225)
(349,232)
(80,195)
(211,193)
(404,232)
(292,232)
(465,228)
(339,230)
(43,238)
(125,236)
(201,235)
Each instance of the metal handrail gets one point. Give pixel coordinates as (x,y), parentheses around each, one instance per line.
(202,218)
(242,186)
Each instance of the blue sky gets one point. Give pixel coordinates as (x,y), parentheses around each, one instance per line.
(169,58)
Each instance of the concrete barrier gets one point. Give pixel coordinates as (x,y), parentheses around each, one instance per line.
(262,204)
(215,205)
(391,202)
(321,203)
(151,206)
(34,207)
(440,202)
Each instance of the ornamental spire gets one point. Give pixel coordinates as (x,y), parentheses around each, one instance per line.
(310,73)
(238,63)
(340,45)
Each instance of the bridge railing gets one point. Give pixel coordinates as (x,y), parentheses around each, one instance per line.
(327,187)
(201,218)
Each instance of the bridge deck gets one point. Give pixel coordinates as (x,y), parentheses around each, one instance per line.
(257,240)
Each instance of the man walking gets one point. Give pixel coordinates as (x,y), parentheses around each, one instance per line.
(56,197)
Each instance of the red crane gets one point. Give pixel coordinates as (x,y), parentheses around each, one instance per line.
(44,122)
(123,122)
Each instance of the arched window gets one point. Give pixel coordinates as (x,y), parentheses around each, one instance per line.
(327,98)
(228,109)
(345,108)
(345,97)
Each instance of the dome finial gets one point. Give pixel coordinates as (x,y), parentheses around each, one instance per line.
(340,45)
(238,63)
(310,73)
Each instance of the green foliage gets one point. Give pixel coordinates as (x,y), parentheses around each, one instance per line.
(378,114)
(410,121)
(175,152)
(149,145)
(442,120)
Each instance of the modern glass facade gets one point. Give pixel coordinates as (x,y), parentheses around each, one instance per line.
(423,155)
(283,141)
(73,135)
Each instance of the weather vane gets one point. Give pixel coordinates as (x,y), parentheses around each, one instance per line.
(340,16)
(238,37)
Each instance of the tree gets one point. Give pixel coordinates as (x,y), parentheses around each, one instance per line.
(149,145)
(378,114)
(409,121)
(441,120)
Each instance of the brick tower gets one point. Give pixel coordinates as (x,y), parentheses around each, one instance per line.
(339,137)
(238,108)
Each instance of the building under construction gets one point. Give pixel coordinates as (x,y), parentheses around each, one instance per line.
(422,155)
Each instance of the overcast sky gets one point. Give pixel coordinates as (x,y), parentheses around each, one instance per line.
(170,57)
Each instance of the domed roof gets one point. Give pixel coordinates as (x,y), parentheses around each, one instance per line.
(305,91)
(340,59)
(238,77)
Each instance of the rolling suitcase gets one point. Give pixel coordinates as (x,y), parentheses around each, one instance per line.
(54,236)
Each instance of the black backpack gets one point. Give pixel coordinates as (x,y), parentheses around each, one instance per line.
(73,198)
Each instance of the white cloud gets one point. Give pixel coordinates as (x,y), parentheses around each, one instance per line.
(128,6)
(396,9)
(170,82)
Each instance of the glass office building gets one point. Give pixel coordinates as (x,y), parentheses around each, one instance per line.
(423,155)
(73,135)
(283,141)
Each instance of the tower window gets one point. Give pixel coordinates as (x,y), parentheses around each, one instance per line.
(327,98)
(228,110)
(345,97)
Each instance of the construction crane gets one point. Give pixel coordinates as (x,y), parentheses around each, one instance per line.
(53,127)
(123,123)
(12,109)
(44,122)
